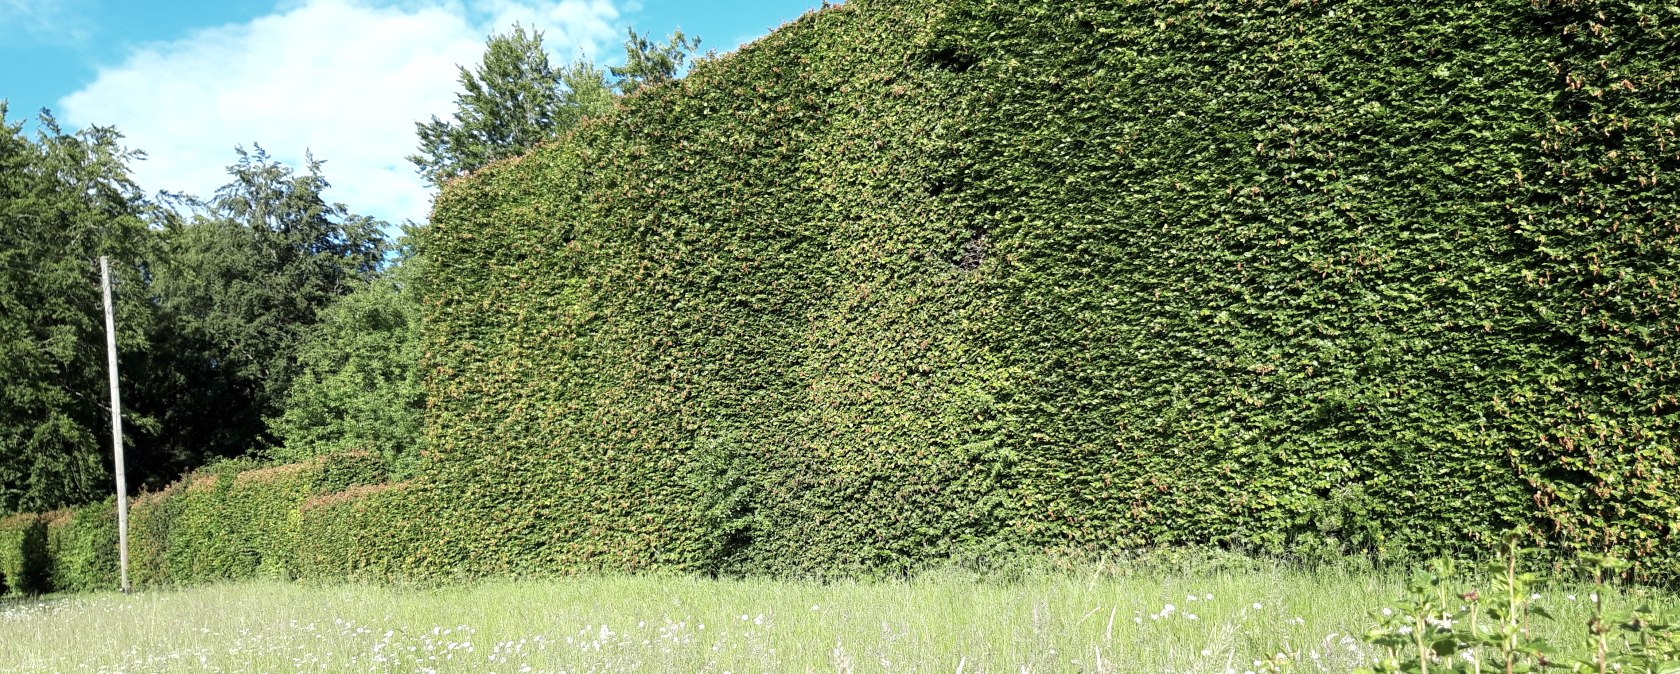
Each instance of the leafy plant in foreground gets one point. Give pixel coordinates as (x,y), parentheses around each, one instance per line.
(1434,627)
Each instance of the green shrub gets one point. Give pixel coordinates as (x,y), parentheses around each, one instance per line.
(261,509)
(911,280)
(11,546)
(343,470)
(24,558)
(1447,622)
(200,518)
(148,537)
(357,386)
(366,532)
(233,520)
(241,521)
(82,547)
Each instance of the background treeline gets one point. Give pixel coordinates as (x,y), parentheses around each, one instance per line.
(213,298)
(260,322)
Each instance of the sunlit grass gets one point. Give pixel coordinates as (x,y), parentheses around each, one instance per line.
(1222,618)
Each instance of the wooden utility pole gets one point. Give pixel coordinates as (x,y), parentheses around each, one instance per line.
(116,422)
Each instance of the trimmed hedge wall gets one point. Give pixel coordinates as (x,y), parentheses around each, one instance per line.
(369,532)
(74,549)
(912,280)
(82,547)
(229,521)
(23,554)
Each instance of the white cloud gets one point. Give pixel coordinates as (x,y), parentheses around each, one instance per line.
(345,79)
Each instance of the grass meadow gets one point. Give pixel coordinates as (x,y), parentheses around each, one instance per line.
(1104,618)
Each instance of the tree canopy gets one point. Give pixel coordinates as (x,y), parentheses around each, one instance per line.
(357,386)
(65,199)
(511,101)
(515,98)
(648,63)
(245,276)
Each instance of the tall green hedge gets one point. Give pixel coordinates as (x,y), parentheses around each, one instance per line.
(74,549)
(910,280)
(23,554)
(372,532)
(229,521)
(82,547)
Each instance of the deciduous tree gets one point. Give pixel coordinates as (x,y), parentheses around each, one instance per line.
(509,103)
(357,386)
(245,277)
(648,63)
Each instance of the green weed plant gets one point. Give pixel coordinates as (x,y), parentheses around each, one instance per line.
(1441,625)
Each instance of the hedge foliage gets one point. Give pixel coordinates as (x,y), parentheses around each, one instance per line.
(23,554)
(909,280)
(370,532)
(229,521)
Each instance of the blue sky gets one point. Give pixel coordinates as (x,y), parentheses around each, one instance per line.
(187,80)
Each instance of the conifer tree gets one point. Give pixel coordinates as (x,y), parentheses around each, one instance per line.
(65,200)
